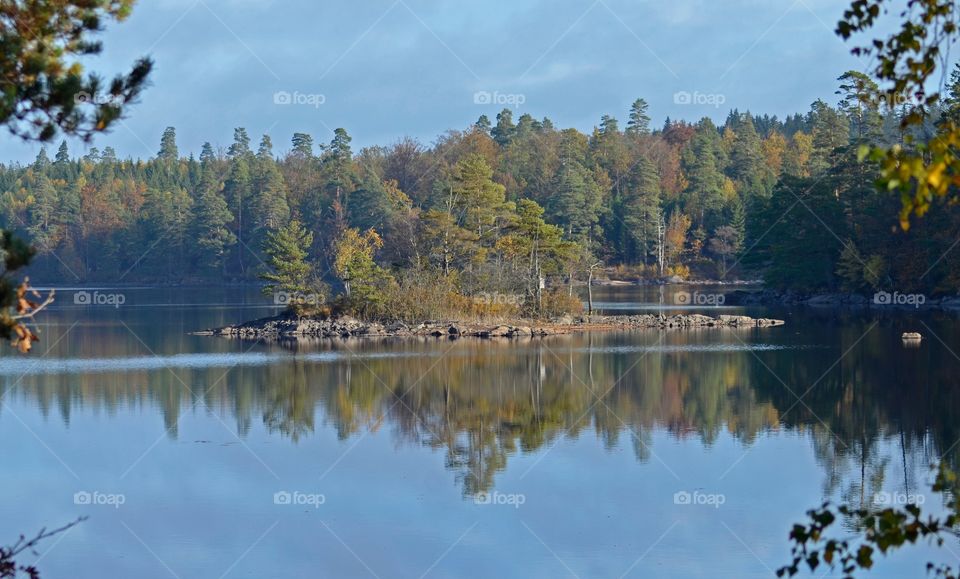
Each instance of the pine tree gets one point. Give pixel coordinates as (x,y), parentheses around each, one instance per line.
(41,218)
(241,144)
(705,180)
(640,211)
(168,146)
(42,163)
(237,191)
(483,124)
(575,202)
(290,272)
(639,123)
(302,145)
(480,200)
(858,92)
(831,131)
(63,155)
(504,130)
(213,237)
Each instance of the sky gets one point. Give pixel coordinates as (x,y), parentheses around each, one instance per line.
(385,69)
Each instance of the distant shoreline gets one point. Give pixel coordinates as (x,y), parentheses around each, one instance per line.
(843,300)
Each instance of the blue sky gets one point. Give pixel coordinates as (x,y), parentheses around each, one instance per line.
(384,69)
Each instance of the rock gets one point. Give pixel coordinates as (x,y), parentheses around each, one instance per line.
(499,332)
(736,320)
(825,300)
(454,331)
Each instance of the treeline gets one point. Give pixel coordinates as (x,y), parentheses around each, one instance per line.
(501,205)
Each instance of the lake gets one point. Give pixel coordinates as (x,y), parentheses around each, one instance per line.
(637,454)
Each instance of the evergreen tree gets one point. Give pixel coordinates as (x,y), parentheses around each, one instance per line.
(858,103)
(503,131)
(63,155)
(213,237)
(639,123)
(483,124)
(640,211)
(302,145)
(289,269)
(168,146)
(575,203)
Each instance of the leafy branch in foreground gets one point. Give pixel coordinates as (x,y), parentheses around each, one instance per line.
(44,87)
(17,305)
(878,531)
(9,568)
(906,61)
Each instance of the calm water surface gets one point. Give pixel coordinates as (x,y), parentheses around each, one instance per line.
(641,454)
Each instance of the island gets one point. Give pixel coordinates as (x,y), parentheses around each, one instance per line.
(291,326)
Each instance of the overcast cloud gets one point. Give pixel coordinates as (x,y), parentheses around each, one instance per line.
(383,69)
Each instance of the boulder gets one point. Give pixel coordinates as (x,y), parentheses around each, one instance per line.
(499,332)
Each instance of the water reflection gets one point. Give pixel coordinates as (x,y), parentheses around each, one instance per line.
(598,432)
(481,402)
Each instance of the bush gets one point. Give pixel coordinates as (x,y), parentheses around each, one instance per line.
(679,270)
(556,302)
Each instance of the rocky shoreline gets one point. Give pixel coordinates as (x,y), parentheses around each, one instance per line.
(291,327)
(882,300)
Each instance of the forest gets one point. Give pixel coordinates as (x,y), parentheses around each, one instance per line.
(509,205)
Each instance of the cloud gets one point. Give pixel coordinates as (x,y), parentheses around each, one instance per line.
(389,69)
